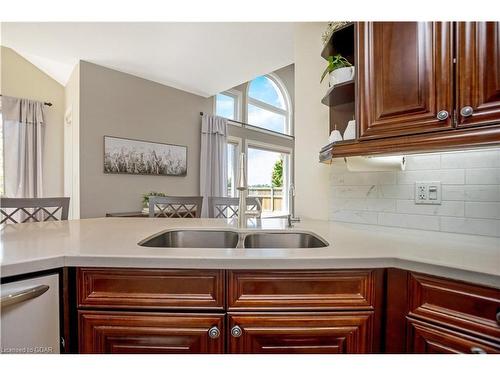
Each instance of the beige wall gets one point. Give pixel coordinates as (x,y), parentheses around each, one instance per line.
(311,123)
(122,105)
(21,79)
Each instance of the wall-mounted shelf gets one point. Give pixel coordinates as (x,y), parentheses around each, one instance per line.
(339,94)
(341,41)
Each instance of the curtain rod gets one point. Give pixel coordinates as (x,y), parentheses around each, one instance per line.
(48,104)
(259,128)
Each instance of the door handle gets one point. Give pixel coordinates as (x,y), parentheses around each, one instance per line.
(23,295)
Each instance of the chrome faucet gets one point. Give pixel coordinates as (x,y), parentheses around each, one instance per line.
(291,218)
(242,188)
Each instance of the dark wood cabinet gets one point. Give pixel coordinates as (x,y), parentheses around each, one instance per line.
(424,86)
(425,338)
(405,70)
(478,73)
(278,333)
(134,333)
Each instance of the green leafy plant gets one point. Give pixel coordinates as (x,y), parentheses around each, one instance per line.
(334,63)
(145,197)
(277,176)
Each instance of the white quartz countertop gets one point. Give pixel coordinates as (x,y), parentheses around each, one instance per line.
(112,242)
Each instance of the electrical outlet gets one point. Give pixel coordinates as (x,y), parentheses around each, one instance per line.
(428,192)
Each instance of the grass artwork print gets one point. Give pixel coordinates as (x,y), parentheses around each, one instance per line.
(129,156)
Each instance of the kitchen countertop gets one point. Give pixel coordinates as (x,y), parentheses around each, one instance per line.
(112,242)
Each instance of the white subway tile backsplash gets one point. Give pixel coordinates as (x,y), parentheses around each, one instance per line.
(482,193)
(380,205)
(361,217)
(450,176)
(423,162)
(397,191)
(483,227)
(470,183)
(486,176)
(446,208)
(368,191)
(453,192)
(485,210)
(409,221)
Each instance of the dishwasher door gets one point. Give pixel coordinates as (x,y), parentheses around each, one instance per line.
(29,311)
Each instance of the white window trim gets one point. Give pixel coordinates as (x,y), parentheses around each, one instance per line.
(239,142)
(237,96)
(268,107)
(287,178)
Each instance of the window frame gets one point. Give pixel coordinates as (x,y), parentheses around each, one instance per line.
(238,142)
(237,96)
(287,112)
(288,174)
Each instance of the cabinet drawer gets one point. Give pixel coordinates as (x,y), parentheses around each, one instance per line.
(467,307)
(148,333)
(150,289)
(304,290)
(304,333)
(430,339)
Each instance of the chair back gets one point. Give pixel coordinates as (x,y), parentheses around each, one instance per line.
(175,207)
(22,210)
(227,208)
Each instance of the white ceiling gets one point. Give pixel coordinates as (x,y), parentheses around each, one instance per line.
(202,58)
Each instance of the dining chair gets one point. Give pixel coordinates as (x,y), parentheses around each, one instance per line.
(22,210)
(227,207)
(175,207)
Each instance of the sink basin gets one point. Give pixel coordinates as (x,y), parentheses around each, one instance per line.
(280,240)
(193,239)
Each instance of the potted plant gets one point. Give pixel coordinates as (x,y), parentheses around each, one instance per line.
(339,68)
(145,199)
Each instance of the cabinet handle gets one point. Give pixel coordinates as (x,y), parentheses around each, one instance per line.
(442,115)
(214,332)
(498,317)
(476,350)
(236,331)
(466,111)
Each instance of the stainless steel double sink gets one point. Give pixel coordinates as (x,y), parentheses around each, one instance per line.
(192,238)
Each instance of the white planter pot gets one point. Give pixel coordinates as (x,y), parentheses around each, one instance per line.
(341,75)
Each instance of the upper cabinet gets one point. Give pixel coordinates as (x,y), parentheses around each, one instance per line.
(405,70)
(478,73)
(420,87)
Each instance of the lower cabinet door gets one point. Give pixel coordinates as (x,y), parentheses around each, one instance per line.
(276,333)
(120,332)
(430,339)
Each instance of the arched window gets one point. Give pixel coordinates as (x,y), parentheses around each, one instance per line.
(268,104)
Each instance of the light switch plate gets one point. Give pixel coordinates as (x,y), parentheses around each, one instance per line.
(428,192)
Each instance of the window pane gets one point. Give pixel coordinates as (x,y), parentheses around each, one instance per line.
(266,119)
(264,89)
(224,106)
(267,179)
(231,169)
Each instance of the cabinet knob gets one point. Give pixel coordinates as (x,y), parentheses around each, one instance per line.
(498,317)
(236,331)
(213,332)
(442,115)
(466,111)
(476,350)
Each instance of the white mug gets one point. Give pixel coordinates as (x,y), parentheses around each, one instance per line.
(350,130)
(335,136)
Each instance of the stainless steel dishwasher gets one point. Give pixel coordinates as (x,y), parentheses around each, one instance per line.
(30,316)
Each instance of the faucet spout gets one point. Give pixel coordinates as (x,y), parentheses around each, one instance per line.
(242,189)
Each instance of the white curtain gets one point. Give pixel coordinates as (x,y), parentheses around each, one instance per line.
(213,159)
(23,128)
